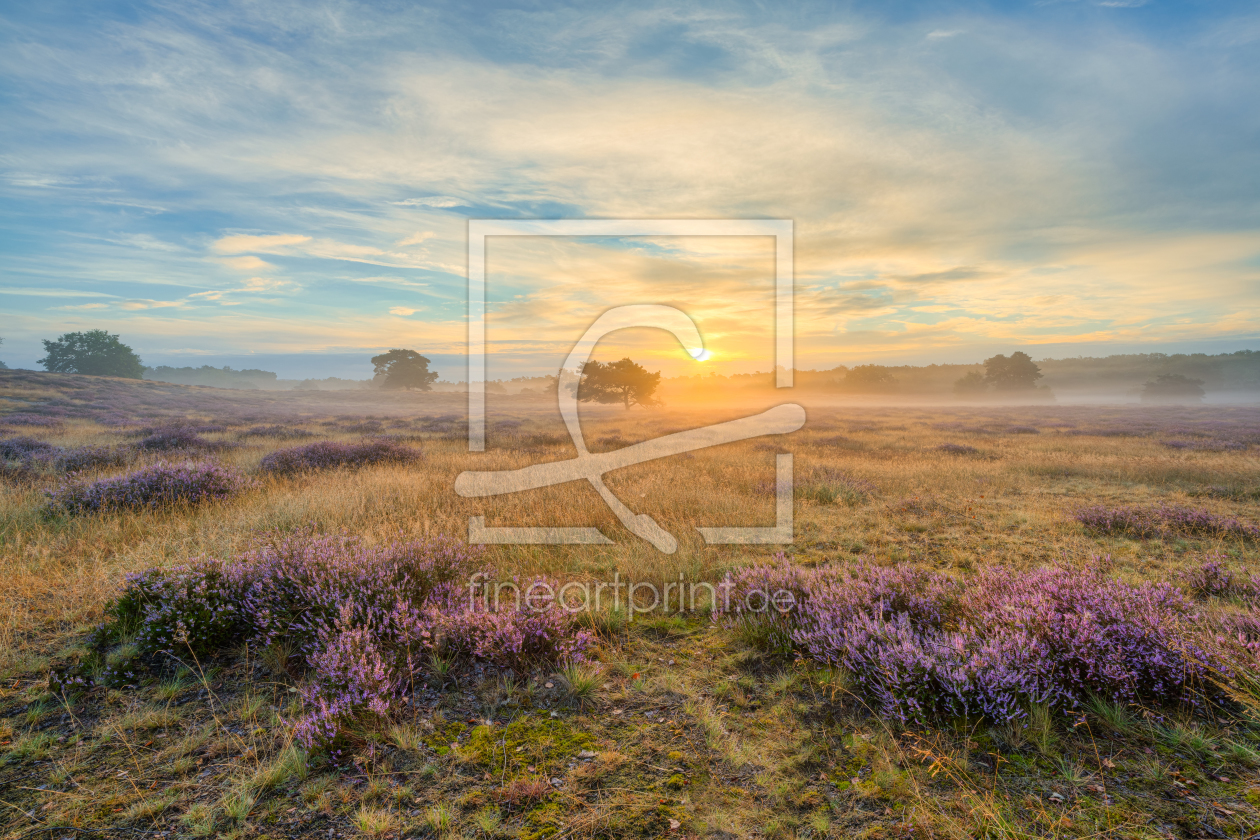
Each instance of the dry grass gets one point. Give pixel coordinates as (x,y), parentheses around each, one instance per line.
(692,726)
(1010,504)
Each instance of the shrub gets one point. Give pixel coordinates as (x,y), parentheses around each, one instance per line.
(1161,520)
(156,486)
(279,432)
(23,448)
(37,456)
(1211,579)
(923,646)
(957,449)
(78,458)
(166,440)
(1206,445)
(329,455)
(365,619)
(34,420)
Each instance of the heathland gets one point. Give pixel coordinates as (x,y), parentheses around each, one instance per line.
(231,613)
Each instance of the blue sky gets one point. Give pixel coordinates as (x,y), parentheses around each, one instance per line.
(284,185)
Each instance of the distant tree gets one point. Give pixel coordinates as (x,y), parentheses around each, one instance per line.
(1011,373)
(95,353)
(3,366)
(869,378)
(971,384)
(404,369)
(1173,387)
(625,382)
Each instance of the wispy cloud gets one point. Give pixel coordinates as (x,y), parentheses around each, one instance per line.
(957,178)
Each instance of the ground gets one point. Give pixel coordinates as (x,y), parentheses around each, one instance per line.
(682,727)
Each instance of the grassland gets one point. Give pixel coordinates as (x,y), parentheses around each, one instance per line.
(686,729)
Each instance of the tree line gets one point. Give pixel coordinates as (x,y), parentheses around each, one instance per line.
(99,353)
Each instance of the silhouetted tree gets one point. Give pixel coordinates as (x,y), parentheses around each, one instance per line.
(3,366)
(869,378)
(1173,387)
(404,369)
(625,382)
(95,353)
(1011,373)
(971,384)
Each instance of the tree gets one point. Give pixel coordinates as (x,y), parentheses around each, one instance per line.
(404,369)
(971,384)
(94,353)
(869,378)
(1014,373)
(625,382)
(1173,387)
(3,366)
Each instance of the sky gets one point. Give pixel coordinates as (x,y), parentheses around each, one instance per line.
(288,185)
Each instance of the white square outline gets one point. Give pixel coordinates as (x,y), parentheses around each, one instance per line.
(479,229)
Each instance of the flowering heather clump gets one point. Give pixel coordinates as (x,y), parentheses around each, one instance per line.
(1159,520)
(78,458)
(957,449)
(37,456)
(365,427)
(160,485)
(922,645)
(1023,430)
(1206,445)
(180,437)
(278,432)
(23,448)
(1211,579)
(329,455)
(365,618)
(25,419)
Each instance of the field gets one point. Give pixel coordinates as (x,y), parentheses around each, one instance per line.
(677,725)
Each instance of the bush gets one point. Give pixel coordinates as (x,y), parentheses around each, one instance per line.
(25,419)
(34,456)
(160,485)
(329,455)
(166,440)
(279,432)
(1206,445)
(923,646)
(1162,520)
(957,449)
(366,619)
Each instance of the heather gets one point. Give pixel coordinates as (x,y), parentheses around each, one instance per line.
(31,457)
(167,440)
(366,621)
(730,729)
(329,455)
(157,486)
(1162,520)
(275,431)
(924,646)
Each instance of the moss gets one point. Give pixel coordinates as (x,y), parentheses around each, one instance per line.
(443,735)
(676,782)
(538,742)
(543,821)
(889,785)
